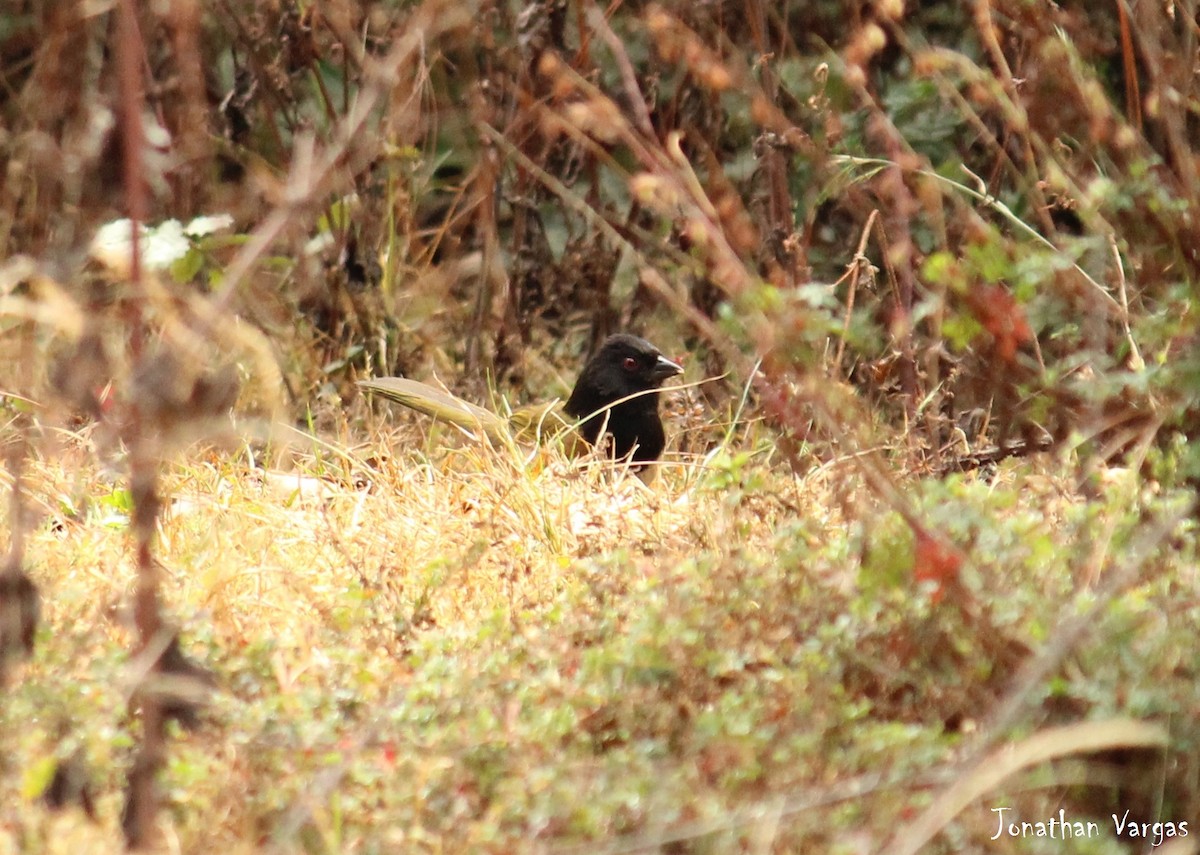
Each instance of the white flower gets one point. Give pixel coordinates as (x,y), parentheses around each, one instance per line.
(161,245)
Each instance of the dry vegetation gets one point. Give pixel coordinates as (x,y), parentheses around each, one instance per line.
(924,541)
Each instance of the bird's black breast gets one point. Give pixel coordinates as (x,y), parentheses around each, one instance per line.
(624,366)
(635,426)
(645,432)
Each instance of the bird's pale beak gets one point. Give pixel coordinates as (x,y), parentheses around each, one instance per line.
(665,368)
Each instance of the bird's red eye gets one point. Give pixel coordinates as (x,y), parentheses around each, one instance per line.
(630,363)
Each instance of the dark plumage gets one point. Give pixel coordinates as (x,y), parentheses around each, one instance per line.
(617,393)
(624,366)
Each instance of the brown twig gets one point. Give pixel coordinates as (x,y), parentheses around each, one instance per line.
(141,804)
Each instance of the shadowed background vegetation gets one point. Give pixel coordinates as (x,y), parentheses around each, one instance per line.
(936,262)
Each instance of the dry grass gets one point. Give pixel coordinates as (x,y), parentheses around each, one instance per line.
(369,549)
(426,644)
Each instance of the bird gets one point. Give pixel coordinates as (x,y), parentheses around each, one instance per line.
(616,394)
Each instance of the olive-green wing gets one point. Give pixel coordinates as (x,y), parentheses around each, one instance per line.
(440,405)
(536,421)
(548,420)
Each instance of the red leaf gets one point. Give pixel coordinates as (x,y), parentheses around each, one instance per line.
(999,313)
(935,560)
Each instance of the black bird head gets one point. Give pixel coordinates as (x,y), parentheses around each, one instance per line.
(624,365)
